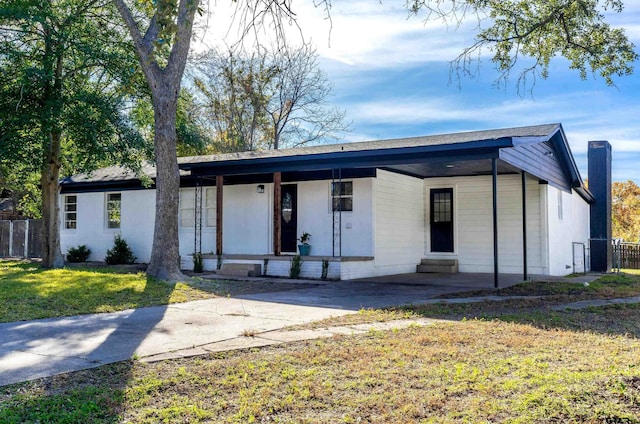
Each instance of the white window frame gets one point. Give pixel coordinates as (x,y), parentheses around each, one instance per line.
(187,207)
(340,196)
(210,205)
(66,213)
(107,203)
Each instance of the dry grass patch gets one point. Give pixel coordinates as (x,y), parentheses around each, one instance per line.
(610,286)
(452,372)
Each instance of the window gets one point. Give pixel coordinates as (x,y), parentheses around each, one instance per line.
(114,207)
(70,212)
(210,212)
(342,196)
(187,208)
(441,206)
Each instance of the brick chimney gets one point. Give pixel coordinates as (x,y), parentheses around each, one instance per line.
(599,157)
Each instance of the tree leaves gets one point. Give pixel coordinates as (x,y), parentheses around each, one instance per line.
(530,33)
(625,205)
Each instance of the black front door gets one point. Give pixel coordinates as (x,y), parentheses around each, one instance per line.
(441,201)
(289,217)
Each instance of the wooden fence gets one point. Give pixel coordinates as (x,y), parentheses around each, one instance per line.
(630,255)
(21,239)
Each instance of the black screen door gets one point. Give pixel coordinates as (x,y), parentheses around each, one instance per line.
(441,219)
(289,217)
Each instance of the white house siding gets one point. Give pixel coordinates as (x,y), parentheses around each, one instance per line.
(564,229)
(136,227)
(473,224)
(316,217)
(399,223)
(248,220)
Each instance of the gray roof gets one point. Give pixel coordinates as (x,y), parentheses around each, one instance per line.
(536,131)
(523,134)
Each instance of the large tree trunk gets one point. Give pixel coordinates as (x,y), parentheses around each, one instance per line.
(51,253)
(164,83)
(165,255)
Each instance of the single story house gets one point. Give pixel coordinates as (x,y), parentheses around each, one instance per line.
(498,201)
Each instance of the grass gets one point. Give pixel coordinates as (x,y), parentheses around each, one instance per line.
(448,372)
(609,286)
(30,292)
(539,312)
(514,361)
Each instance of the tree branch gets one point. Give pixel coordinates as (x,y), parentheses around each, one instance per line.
(149,64)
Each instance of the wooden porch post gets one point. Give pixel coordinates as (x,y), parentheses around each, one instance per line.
(219,185)
(494,180)
(277,211)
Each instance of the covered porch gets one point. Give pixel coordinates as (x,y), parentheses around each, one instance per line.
(533,153)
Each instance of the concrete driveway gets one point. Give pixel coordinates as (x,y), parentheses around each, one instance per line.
(33,349)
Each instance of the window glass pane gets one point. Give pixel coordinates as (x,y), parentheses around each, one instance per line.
(187,207)
(335,189)
(113,210)
(211,197)
(287,207)
(347,189)
(342,196)
(187,198)
(210,212)
(70,208)
(187,217)
(211,217)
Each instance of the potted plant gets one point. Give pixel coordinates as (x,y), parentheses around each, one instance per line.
(304,246)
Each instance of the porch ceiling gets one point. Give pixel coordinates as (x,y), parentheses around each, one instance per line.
(451,168)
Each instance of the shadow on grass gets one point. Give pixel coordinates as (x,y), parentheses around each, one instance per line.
(623,319)
(55,346)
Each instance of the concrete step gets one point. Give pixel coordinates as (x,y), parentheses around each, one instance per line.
(241,270)
(448,266)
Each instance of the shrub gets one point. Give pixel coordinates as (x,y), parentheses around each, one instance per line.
(198,265)
(120,254)
(296,267)
(325,269)
(78,254)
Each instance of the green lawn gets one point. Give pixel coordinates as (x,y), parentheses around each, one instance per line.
(514,361)
(30,292)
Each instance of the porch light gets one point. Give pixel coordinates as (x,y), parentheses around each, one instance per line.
(260,188)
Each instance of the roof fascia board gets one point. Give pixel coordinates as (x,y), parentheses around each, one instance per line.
(379,158)
(350,155)
(562,146)
(101,186)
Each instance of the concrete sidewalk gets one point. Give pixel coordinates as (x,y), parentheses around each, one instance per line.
(34,349)
(41,348)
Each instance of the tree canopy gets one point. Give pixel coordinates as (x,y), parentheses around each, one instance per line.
(526,35)
(268,99)
(66,70)
(625,205)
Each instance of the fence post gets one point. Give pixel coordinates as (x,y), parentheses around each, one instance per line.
(10,239)
(26,239)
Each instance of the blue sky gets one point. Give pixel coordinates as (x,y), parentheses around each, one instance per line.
(391,76)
